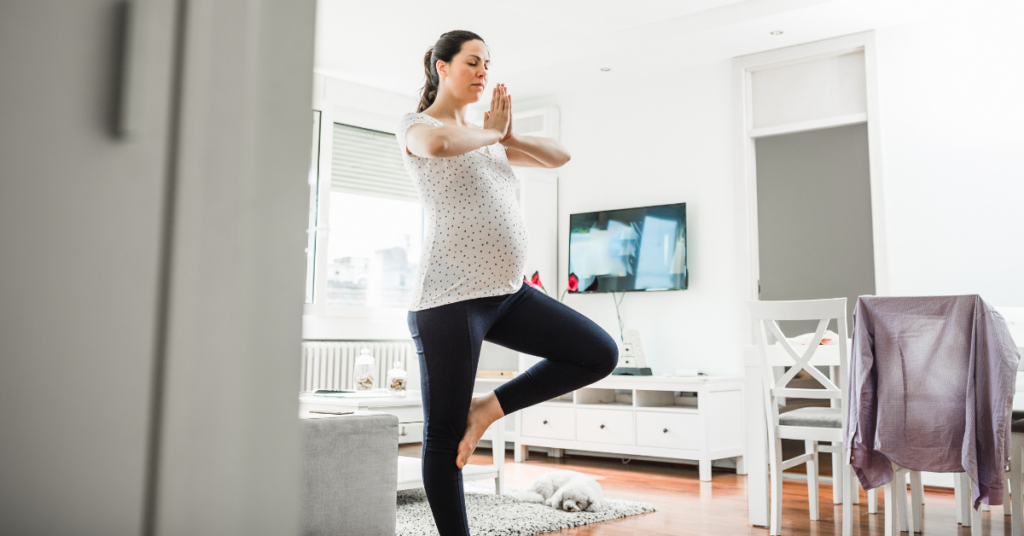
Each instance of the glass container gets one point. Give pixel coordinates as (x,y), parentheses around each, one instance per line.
(396,379)
(364,371)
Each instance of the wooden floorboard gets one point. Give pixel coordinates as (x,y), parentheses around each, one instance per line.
(687,506)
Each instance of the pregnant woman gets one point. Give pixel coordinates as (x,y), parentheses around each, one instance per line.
(469,287)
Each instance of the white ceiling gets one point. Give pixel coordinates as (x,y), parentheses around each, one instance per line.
(541,47)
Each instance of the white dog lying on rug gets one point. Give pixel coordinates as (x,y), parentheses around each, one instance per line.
(565,490)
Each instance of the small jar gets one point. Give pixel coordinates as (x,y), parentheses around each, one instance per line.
(364,371)
(396,379)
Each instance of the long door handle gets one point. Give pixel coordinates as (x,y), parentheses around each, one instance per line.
(135,14)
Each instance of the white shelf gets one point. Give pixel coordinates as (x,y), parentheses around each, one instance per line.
(613,407)
(556,403)
(668,409)
(650,424)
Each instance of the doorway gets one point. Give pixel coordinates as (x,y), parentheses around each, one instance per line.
(810,218)
(814,218)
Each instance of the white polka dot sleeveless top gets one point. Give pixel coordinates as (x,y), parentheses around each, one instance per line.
(475,241)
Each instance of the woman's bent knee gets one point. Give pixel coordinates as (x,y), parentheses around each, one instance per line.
(607,354)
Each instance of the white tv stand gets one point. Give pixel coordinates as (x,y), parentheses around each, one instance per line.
(650,423)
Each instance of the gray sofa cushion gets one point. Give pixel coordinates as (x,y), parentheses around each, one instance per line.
(350,475)
(813,416)
(1017,426)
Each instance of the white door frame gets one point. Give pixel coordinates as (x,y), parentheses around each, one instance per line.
(746,176)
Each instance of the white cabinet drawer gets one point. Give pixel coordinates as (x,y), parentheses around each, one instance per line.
(549,422)
(668,430)
(604,426)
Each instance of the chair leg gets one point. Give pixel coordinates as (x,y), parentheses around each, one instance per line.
(775,516)
(920,487)
(958,501)
(837,472)
(847,501)
(811,447)
(892,515)
(975,517)
(1016,495)
(873,501)
(899,481)
(916,499)
(852,485)
(1006,494)
(964,502)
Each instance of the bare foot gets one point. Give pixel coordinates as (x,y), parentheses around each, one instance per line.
(482,412)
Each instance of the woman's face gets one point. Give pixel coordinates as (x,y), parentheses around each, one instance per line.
(466,76)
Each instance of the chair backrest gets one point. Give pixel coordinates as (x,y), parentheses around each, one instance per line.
(767,315)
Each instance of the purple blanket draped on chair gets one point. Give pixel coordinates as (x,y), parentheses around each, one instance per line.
(931,389)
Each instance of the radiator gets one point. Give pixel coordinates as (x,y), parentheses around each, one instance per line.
(329,364)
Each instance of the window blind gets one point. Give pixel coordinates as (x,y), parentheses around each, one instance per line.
(369,162)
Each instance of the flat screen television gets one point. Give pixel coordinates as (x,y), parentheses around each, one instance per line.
(629,249)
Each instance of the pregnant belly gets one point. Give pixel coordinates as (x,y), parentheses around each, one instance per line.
(481,256)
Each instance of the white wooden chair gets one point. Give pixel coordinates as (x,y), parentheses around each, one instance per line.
(812,424)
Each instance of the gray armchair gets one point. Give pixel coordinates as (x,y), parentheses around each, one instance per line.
(350,475)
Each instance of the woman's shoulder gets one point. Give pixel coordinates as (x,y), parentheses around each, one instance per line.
(418,117)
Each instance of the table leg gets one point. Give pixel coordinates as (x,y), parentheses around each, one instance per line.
(704,470)
(521,453)
(498,453)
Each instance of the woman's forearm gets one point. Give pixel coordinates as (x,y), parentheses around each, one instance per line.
(547,151)
(449,141)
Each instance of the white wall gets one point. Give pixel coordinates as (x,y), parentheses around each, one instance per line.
(666,138)
(953,153)
(953,171)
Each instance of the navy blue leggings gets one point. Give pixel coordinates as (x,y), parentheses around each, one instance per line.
(576,352)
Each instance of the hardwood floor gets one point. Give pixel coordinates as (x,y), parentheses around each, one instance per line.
(687,506)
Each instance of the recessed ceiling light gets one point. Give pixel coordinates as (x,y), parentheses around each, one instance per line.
(776,32)
(606,69)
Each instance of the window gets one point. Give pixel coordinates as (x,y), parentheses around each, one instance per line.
(373,252)
(374,225)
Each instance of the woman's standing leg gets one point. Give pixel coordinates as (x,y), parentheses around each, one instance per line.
(448,359)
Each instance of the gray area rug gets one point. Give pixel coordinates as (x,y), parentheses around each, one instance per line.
(493,515)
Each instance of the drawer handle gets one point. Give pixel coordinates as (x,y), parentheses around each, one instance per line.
(545,421)
(665,431)
(602,427)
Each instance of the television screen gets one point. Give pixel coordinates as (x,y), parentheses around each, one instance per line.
(629,249)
